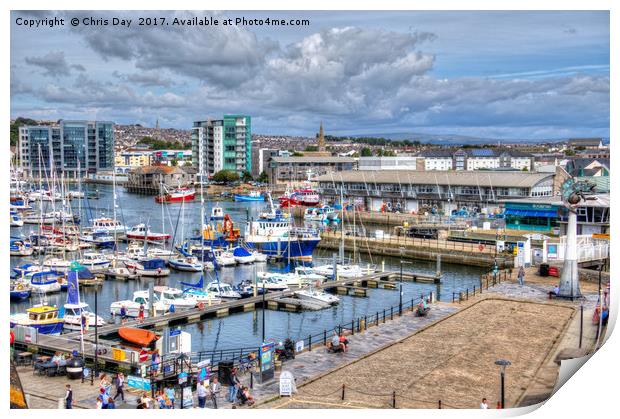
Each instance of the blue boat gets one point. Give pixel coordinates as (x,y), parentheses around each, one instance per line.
(20,290)
(253,196)
(273,235)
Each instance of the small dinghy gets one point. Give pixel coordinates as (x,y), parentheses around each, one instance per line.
(142,338)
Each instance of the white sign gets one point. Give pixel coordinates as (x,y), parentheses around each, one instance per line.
(188,398)
(299,346)
(203,364)
(287,384)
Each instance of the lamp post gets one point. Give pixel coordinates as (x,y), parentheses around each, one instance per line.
(502,372)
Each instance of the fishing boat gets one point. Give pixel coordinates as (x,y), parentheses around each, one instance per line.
(20,247)
(272,234)
(139,337)
(242,256)
(176,195)
(44,282)
(223,290)
(20,290)
(132,307)
(95,262)
(149,267)
(16,219)
(142,232)
(313,294)
(217,213)
(186,263)
(109,226)
(174,297)
(252,196)
(306,197)
(44,318)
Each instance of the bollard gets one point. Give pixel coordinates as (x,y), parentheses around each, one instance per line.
(439,404)
(342,398)
(393,400)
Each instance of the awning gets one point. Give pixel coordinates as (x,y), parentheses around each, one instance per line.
(531,213)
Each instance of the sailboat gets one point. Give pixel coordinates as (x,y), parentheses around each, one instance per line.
(75,309)
(197,292)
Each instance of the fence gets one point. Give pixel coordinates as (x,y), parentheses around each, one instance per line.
(489,279)
(427,244)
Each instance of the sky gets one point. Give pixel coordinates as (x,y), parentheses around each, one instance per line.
(504,75)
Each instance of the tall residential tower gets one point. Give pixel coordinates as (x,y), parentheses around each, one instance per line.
(222,144)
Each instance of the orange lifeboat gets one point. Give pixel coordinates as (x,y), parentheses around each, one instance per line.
(140,337)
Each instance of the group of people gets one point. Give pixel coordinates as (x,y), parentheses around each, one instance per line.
(124,315)
(205,389)
(105,399)
(237,391)
(338,343)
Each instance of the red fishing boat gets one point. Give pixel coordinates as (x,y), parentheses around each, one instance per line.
(142,232)
(140,337)
(176,195)
(307,197)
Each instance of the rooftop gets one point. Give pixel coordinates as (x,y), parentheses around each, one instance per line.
(313,159)
(449,178)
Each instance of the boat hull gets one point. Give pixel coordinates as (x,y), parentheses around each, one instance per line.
(247,198)
(136,336)
(46,329)
(296,249)
(20,295)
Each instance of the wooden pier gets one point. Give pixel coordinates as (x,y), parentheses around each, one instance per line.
(283,300)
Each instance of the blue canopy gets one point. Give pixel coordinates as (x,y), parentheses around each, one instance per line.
(531,213)
(154,264)
(241,252)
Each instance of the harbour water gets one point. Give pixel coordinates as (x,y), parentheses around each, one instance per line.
(242,329)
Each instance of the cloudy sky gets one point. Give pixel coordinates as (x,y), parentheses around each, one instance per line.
(487,74)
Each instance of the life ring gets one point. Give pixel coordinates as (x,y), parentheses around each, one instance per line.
(201,305)
(481,247)
(19,287)
(270,232)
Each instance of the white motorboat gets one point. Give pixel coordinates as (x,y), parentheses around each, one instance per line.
(223,290)
(314,294)
(149,267)
(132,307)
(288,279)
(16,219)
(217,213)
(20,247)
(271,284)
(174,297)
(224,257)
(109,226)
(44,282)
(95,262)
(242,256)
(120,273)
(344,271)
(73,316)
(186,263)
(57,264)
(258,256)
(142,232)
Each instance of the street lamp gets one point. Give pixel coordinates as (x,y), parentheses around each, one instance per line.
(502,364)
(400,288)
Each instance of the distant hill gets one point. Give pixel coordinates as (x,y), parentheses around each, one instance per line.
(453,139)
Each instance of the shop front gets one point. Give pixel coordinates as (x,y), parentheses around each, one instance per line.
(532,217)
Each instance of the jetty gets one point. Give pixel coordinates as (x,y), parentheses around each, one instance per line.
(283,300)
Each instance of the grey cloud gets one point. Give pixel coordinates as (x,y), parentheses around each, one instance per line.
(54,63)
(78,67)
(145,79)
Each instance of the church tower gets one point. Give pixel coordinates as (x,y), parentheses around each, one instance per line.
(321,142)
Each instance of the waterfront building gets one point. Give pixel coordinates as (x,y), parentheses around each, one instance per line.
(169,157)
(435,191)
(74,148)
(147,179)
(134,157)
(391,163)
(476,159)
(260,159)
(299,169)
(586,143)
(549,215)
(222,144)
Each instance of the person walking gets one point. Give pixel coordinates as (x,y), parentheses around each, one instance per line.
(521,275)
(120,382)
(69,397)
(123,314)
(141,314)
(484,404)
(233,385)
(201,391)
(170,394)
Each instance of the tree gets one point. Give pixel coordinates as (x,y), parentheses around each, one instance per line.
(15,128)
(246,176)
(263,178)
(389,153)
(569,152)
(226,176)
(366,152)
(188,164)
(174,162)
(525,169)
(311,148)
(297,154)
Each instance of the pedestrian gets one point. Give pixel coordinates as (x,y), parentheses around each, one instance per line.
(105,385)
(123,314)
(215,387)
(155,361)
(233,384)
(120,381)
(111,404)
(102,399)
(521,275)
(146,400)
(141,313)
(484,404)
(170,394)
(69,397)
(201,391)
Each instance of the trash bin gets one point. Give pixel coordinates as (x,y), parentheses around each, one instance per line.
(544,269)
(223,371)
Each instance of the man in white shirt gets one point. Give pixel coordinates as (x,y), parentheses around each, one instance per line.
(201,391)
(484,404)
